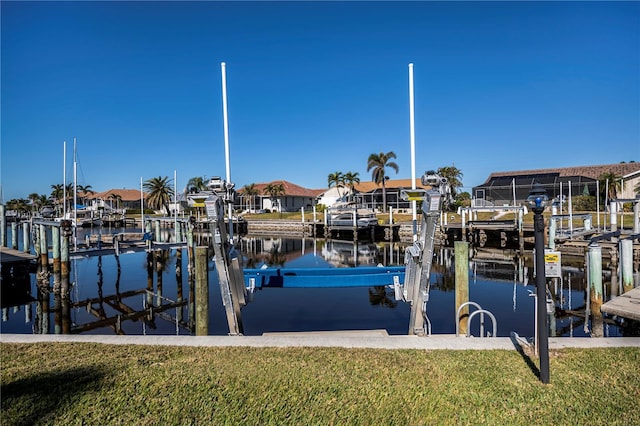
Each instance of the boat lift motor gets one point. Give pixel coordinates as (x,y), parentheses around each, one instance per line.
(419,256)
(226,258)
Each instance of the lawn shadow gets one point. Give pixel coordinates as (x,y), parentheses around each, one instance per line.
(527,359)
(31,399)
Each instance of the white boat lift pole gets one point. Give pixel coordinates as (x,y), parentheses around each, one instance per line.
(413,151)
(75,197)
(141,206)
(223,67)
(64,180)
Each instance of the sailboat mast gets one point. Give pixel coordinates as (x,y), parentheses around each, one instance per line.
(223,67)
(75,184)
(413,152)
(75,197)
(64,180)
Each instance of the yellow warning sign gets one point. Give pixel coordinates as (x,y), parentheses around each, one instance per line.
(551,257)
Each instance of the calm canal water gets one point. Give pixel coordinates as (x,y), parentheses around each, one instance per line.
(106,287)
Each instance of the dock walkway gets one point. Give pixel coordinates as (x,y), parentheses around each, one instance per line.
(626,305)
(8,255)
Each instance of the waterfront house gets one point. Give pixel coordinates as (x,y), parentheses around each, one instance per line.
(509,188)
(115,200)
(294,198)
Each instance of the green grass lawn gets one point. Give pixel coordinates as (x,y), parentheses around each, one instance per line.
(78,383)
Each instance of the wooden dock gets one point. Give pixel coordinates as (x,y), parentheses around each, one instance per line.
(626,306)
(8,255)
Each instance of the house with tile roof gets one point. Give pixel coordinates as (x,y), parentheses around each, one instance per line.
(505,188)
(294,198)
(115,199)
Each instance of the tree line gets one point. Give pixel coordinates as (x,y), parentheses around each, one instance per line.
(160,191)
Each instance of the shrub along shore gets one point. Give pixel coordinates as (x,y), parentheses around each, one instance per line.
(88,383)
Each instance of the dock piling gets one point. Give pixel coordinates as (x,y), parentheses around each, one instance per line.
(595,289)
(202,292)
(461,249)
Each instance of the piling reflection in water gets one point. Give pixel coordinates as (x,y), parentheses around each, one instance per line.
(135,293)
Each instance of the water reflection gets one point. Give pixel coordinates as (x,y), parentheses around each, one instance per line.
(142,293)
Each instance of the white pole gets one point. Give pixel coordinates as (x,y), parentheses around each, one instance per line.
(141,206)
(75,195)
(413,151)
(570,207)
(513,181)
(225,116)
(598,202)
(64,181)
(606,202)
(175,201)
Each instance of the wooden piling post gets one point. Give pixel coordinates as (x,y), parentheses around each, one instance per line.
(65,233)
(3,225)
(626,264)
(595,289)
(14,235)
(461,249)
(44,248)
(202,292)
(55,237)
(178,232)
(26,246)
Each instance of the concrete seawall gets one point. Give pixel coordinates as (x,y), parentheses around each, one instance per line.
(345,339)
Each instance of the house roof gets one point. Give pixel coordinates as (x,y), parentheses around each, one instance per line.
(125,194)
(593,172)
(290,189)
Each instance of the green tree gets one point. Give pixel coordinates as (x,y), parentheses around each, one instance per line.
(350,179)
(611,181)
(462,199)
(160,193)
(453,176)
(33,199)
(275,191)
(378,164)
(20,205)
(336,179)
(57,193)
(250,191)
(196,184)
(83,192)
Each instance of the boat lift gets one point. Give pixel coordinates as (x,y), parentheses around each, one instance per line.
(410,282)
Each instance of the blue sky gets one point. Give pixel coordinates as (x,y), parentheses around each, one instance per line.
(313,88)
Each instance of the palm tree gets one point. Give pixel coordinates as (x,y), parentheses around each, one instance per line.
(196,184)
(57,192)
(275,190)
(453,176)
(379,162)
(350,179)
(250,191)
(20,205)
(612,181)
(33,198)
(84,189)
(160,193)
(335,179)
